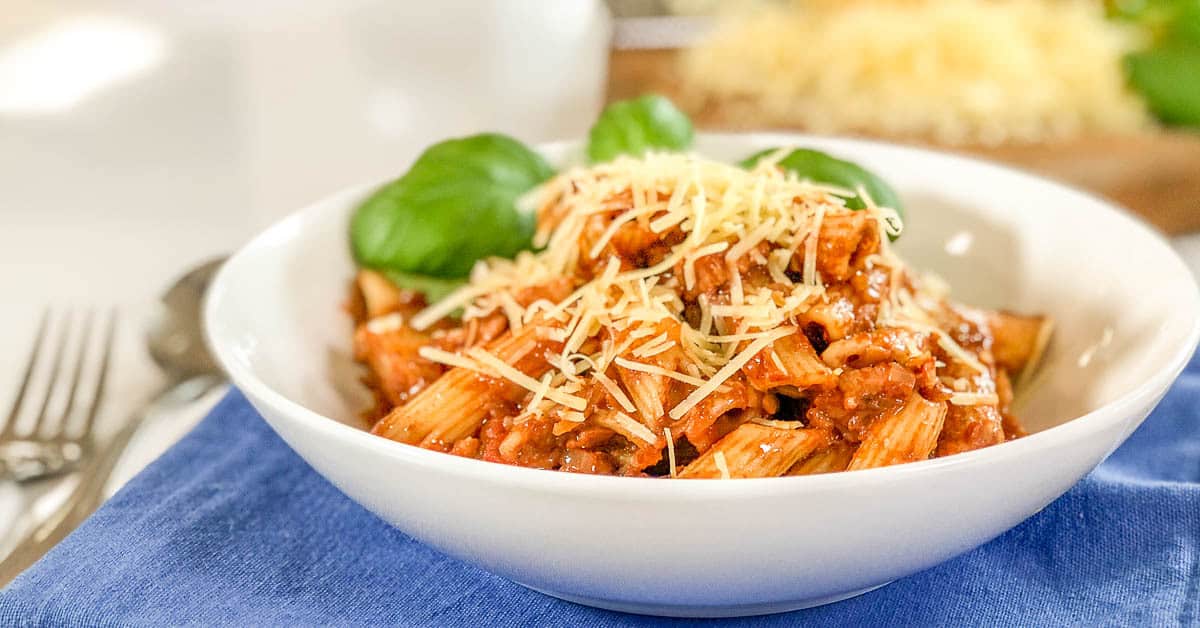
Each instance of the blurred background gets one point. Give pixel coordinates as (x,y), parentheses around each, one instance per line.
(1101,94)
(140,137)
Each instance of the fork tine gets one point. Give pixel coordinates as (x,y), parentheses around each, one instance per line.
(10,425)
(55,370)
(85,337)
(102,379)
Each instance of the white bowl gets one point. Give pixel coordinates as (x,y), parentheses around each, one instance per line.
(1128,313)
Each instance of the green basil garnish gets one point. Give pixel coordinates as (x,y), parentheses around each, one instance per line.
(434,288)
(1169,79)
(632,127)
(1166,70)
(455,205)
(819,167)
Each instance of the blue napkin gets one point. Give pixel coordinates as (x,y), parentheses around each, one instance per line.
(231,527)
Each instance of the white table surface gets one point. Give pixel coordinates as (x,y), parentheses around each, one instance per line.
(142,137)
(139,138)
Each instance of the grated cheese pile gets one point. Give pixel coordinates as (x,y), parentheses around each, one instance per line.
(952,71)
(617,316)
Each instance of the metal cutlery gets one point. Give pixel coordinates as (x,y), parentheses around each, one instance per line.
(176,343)
(53,445)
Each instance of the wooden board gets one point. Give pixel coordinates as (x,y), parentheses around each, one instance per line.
(1156,175)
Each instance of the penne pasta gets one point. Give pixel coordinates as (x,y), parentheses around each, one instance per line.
(970,427)
(789,361)
(647,391)
(380,296)
(832,459)
(392,356)
(908,435)
(1017,339)
(844,235)
(453,406)
(626,426)
(756,451)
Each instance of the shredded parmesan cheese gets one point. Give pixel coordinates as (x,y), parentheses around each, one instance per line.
(810,249)
(974,399)
(633,428)
(670,450)
(1035,358)
(385,323)
(947,71)
(541,392)
(780,425)
(727,371)
(434,354)
(949,346)
(719,460)
(648,350)
(517,377)
(658,370)
(778,363)
(611,386)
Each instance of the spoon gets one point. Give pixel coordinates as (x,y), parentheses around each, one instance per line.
(176,339)
(176,343)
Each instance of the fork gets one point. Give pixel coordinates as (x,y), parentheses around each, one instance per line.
(50,447)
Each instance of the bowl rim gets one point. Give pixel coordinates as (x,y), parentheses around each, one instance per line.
(243,378)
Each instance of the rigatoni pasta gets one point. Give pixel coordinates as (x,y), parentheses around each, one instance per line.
(831,459)
(692,319)
(757,450)
(907,435)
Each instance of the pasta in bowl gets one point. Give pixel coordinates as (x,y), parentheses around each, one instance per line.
(1125,305)
(689,318)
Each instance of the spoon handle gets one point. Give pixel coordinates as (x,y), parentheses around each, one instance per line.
(93,476)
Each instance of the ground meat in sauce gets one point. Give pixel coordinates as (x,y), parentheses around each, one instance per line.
(876,388)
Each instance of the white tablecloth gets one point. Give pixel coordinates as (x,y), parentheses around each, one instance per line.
(140,140)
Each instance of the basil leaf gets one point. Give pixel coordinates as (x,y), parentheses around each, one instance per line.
(1145,12)
(1184,29)
(632,127)
(819,167)
(455,205)
(433,288)
(1165,72)
(1162,22)
(1169,80)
